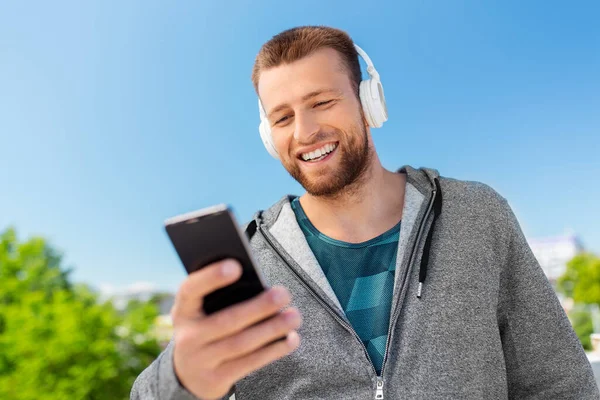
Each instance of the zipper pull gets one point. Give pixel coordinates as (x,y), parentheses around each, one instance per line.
(379,390)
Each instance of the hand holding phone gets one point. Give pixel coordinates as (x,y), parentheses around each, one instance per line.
(218,343)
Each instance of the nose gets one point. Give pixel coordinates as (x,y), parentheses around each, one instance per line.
(306,125)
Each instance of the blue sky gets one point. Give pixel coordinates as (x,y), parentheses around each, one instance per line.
(117,115)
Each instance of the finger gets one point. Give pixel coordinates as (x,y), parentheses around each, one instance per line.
(239,368)
(253,338)
(188,301)
(240,316)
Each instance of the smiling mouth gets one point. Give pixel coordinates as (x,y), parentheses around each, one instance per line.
(319,154)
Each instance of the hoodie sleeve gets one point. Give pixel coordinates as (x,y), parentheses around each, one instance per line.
(159,382)
(543,356)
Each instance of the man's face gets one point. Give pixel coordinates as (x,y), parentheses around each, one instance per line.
(316,122)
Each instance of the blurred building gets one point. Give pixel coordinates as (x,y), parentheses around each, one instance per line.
(553,253)
(140,291)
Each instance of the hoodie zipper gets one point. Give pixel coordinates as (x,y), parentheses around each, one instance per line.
(411,261)
(324,304)
(379,385)
(379,390)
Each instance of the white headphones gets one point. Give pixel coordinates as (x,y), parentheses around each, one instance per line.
(371,99)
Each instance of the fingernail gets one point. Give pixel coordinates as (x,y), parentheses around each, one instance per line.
(229,268)
(292,316)
(293,339)
(278,295)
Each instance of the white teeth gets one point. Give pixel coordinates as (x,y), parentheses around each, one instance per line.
(328,148)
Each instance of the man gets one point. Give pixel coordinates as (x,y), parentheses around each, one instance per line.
(410,285)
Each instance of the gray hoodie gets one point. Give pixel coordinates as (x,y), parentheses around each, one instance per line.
(487,324)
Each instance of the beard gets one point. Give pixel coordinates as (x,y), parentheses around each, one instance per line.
(354,160)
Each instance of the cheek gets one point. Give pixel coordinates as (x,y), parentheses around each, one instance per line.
(282,141)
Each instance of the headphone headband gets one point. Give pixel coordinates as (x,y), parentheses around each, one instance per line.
(370,67)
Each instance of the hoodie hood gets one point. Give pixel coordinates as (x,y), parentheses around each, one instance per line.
(279,222)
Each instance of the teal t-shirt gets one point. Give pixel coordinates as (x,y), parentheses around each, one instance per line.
(362,277)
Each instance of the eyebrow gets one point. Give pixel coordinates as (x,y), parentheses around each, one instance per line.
(307,96)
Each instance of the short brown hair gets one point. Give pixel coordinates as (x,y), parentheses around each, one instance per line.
(296,43)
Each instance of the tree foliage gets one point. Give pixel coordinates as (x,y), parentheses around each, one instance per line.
(581,280)
(57,341)
(583,326)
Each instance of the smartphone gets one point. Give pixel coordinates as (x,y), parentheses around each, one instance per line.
(209,235)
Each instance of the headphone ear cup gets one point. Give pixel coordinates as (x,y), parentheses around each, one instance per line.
(372,99)
(365,96)
(265,132)
(379,107)
(267,139)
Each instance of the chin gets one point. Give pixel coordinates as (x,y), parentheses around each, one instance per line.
(317,189)
(325,184)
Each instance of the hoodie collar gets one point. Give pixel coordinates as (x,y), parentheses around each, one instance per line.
(423,179)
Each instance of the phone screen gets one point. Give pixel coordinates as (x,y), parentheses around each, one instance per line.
(209,235)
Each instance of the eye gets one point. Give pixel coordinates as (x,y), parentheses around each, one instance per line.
(282,119)
(322,103)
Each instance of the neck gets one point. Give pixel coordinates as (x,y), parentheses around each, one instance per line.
(370,207)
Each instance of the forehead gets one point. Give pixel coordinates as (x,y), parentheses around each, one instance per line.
(287,83)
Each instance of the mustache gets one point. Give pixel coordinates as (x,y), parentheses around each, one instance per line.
(318,137)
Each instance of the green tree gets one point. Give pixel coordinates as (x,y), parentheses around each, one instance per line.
(56,340)
(581,282)
(583,327)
